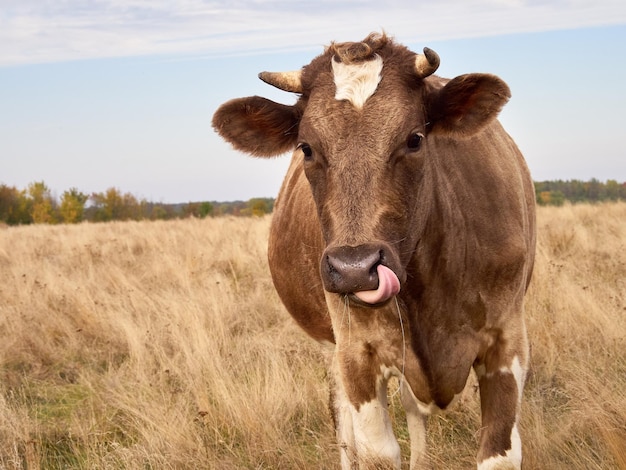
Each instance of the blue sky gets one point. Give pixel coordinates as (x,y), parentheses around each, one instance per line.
(95,94)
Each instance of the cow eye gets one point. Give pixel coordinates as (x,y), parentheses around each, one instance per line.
(306,150)
(414,142)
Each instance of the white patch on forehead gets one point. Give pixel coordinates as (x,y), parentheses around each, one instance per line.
(357,82)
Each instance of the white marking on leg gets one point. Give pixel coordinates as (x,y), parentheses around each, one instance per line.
(416,424)
(513,456)
(345,432)
(511,459)
(357,82)
(343,421)
(516,369)
(518,372)
(373,435)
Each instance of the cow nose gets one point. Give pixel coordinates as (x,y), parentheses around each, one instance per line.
(348,269)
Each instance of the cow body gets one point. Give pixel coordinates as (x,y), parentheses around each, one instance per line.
(404,235)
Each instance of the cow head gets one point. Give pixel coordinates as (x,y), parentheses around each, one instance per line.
(367,127)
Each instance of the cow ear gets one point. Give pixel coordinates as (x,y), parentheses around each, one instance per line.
(258,126)
(466,104)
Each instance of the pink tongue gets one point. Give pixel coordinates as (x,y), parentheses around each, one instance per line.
(388,286)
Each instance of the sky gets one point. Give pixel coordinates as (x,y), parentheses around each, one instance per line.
(120,93)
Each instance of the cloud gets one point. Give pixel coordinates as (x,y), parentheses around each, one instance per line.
(32,31)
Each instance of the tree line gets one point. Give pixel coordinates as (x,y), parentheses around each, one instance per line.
(37,204)
(555,193)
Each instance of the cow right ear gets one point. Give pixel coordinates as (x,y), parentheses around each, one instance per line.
(466,104)
(258,126)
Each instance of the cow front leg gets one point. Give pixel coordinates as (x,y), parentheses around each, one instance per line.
(416,416)
(342,419)
(364,432)
(501,375)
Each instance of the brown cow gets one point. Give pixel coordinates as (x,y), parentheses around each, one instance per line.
(404,234)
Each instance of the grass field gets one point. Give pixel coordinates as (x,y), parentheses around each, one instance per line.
(162,345)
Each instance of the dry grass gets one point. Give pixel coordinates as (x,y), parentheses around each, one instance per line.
(163,345)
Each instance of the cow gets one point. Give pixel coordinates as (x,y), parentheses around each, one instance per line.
(403,236)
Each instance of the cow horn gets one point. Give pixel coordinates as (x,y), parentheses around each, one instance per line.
(426,63)
(286,81)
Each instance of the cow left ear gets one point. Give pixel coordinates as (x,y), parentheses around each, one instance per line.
(258,126)
(467,103)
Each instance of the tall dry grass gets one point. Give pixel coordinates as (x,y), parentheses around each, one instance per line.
(163,345)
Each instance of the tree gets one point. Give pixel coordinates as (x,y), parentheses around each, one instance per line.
(260,206)
(72,207)
(42,204)
(206,208)
(543,198)
(14,206)
(158,212)
(595,190)
(197,209)
(113,205)
(557,192)
(612,190)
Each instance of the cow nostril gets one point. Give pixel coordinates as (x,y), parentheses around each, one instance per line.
(350,269)
(374,267)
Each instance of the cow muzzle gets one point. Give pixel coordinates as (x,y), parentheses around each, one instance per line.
(366,273)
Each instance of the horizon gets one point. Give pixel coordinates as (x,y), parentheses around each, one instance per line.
(56,195)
